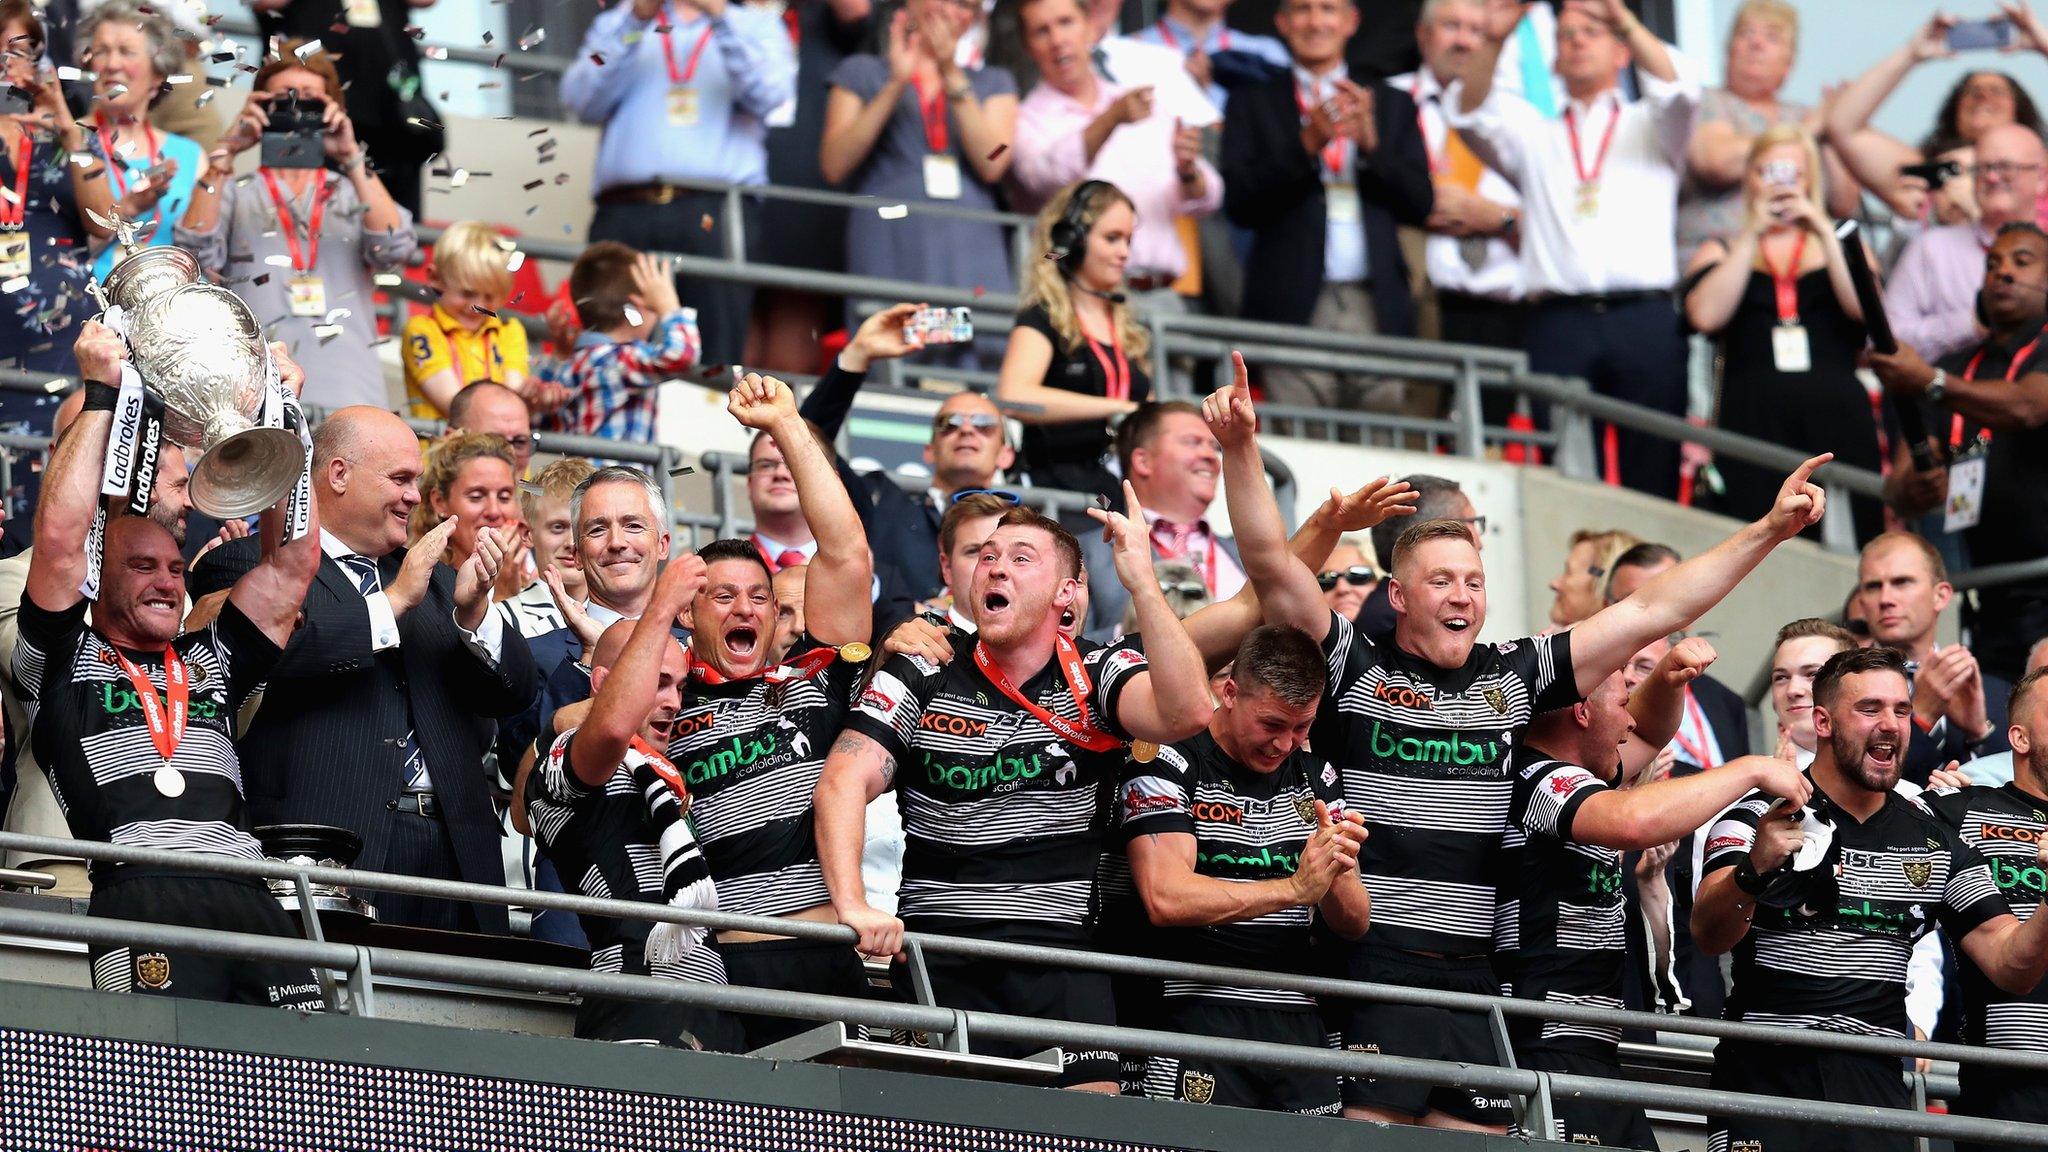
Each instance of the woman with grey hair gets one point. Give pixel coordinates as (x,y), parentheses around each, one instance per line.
(132,50)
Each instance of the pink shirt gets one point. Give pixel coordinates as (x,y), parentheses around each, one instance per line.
(1138,158)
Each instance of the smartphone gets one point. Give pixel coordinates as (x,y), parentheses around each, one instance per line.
(16,101)
(1780,174)
(928,326)
(1980,35)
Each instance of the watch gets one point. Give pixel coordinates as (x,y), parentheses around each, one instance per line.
(1746,877)
(1937,388)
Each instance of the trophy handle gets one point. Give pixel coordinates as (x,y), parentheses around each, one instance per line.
(247,472)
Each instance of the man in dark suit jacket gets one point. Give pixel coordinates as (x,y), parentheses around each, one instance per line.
(1322,170)
(378,715)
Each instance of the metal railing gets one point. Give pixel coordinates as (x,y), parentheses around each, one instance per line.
(1534,1090)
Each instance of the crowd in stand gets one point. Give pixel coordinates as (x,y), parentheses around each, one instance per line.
(937,710)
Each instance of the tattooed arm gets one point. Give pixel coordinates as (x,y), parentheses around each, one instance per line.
(857,770)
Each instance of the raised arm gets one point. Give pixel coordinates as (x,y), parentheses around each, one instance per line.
(1658,703)
(857,770)
(71,480)
(272,593)
(1168,701)
(1675,598)
(879,337)
(619,708)
(837,609)
(1632,819)
(1859,101)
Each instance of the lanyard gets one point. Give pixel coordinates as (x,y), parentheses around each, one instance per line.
(1172,41)
(117,168)
(1333,152)
(932,110)
(1695,717)
(663,768)
(1085,734)
(2012,372)
(681,74)
(1571,125)
(1116,371)
(14,215)
(1786,283)
(1187,542)
(310,258)
(797,668)
(166,719)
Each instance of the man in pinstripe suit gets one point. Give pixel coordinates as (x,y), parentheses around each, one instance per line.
(377,717)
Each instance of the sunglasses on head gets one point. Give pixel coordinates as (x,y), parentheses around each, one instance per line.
(955,421)
(1358,575)
(1002,494)
(1189,588)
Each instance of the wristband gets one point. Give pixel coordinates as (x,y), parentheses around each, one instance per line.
(1747,879)
(101,397)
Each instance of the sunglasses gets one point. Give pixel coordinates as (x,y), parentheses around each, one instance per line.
(1005,496)
(955,421)
(1189,588)
(1358,575)
(1478,523)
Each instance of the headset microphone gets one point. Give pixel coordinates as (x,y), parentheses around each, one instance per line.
(1112,297)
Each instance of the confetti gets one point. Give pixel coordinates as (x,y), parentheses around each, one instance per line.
(421,122)
(632,314)
(1000,149)
(415,31)
(307,50)
(980,290)
(67,72)
(516,261)
(217,58)
(682,470)
(434,52)
(530,488)
(541,131)
(530,185)
(116,91)
(280,260)
(56,386)
(597,58)
(10,287)
(499,62)
(387,279)
(205,98)
(488,37)
(708,222)
(892,211)
(533,39)
(177,80)
(262,279)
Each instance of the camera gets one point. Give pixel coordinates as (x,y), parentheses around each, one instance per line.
(296,137)
(16,101)
(1935,172)
(1780,174)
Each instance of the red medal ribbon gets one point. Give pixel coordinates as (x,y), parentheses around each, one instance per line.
(1694,716)
(681,74)
(1076,672)
(1786,283)
(14,216)
(1571,125)
(1116,371)
(795,668)
(309,258)
(663,768)
(2012,372)
(932,110)
(165,717)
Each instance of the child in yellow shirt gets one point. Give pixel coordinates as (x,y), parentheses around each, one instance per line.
(462,341)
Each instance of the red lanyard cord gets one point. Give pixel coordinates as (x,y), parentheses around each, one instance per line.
(308,258)
(1571,124)
(2012,373)
(683,73)
(1786,284)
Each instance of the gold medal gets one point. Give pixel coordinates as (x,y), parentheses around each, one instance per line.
(1143,751)
(855,653)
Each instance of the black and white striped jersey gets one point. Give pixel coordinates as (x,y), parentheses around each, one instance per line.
(1424,756)
(2005,825)
(1558,931)
(624,840)
(91,738)
(751,752)
(1004,824)
(1841,967)
(1248,826)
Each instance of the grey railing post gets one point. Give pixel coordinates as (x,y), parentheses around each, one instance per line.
(735,226)
(1020,245)
(1470,413)
(1539,1118)
(309,923)
(1837,523)
(362,985)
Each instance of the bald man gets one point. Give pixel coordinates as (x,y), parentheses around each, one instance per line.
(488,407)
(378,715)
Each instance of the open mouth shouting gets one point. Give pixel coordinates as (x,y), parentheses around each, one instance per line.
(993,602)
(741,642)
(1456,623)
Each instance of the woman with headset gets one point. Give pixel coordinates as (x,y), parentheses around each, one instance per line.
(1076,359)
(1777,298)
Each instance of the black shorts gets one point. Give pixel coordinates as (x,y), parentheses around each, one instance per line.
(1805,1074)
(224,903)
(1423,1033)
(822,967)
(669,1024)
(1023,990)
(1241,1085)
(2000,1094)
(1589,1121)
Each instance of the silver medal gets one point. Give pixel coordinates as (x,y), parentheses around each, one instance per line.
(170,781)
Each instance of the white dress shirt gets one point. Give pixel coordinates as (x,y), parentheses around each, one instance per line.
(488,639)
(1628,242)
(1499,274)
(1345,260)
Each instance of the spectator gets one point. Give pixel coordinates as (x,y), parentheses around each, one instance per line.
(1958,708)
(1997,384)
(1074,126)
(1714,727)
(348,736)
(1063,398)
(2004,824)
(1599,189)
(1575,595)
(1348,577)
(1173,462)
(673,111)
(371,45)
(300,245)
(156,777)
(781,535)
(1777,294)
(636,334)
(1218,57)
(462,340)
(183,109)
(1322,196)
(1931,297)
(1238,841)
(1853,619)
(951,144)
(1713,201)
(1790,953)
(1977,103)
(470,478)
(1470,256)
(1039,892)
(1182,585)
(601,808)
(1796,658)
(968,451)
(131,50)
(1436,499)
(967,525)
(1570,819)
(756,822)
(544,506)
(494,408)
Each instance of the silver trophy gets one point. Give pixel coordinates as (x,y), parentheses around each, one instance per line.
(199,348)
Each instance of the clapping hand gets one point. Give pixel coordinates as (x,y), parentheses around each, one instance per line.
(1331,851)
(478,575)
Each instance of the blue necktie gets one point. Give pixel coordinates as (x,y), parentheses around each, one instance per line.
(364,570)
(416,779)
